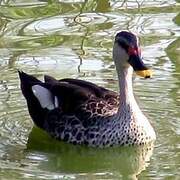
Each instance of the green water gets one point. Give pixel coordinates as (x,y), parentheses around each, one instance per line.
(74,39)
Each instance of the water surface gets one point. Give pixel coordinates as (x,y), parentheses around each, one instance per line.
(74,39)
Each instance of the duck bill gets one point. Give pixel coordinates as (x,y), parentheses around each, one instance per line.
(139,67)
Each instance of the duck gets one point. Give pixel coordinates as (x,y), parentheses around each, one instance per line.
(80,112)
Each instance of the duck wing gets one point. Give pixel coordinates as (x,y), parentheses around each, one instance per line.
(70,96)
(77,95)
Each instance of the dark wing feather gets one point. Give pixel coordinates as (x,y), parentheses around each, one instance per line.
(84,85)
(75,94)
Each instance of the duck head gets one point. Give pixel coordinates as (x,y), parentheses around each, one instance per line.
(127,52)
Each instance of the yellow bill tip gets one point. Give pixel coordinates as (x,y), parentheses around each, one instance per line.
(145,73)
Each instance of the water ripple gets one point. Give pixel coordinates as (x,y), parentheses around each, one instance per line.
(74,39)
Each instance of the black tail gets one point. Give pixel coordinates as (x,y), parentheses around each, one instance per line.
(27,81)
(36,112)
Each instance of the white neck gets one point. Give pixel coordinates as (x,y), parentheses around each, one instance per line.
(127,101)
(128,105)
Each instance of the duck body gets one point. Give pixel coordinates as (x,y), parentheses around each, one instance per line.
(81,112)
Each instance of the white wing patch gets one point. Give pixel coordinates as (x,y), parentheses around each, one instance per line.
(45,97)
(56,103)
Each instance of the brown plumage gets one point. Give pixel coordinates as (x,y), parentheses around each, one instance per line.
(77,93)
(81,112)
